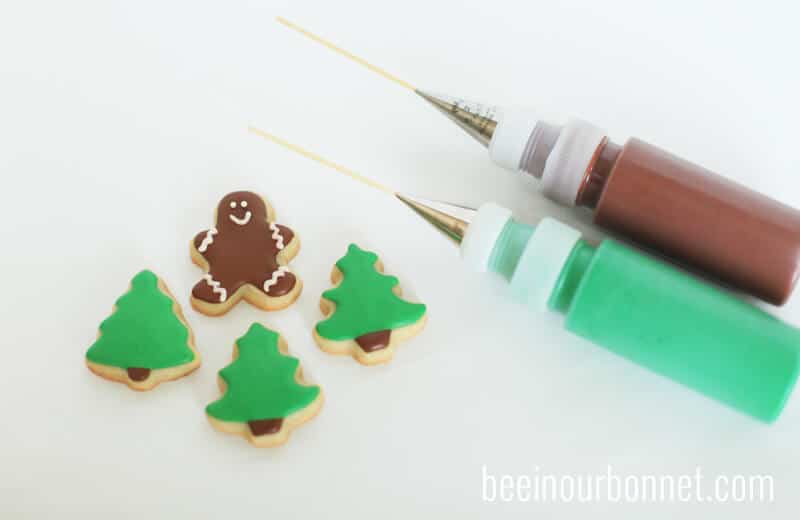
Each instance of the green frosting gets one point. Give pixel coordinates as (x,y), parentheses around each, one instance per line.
(144,331)
(364,299)
(261,381)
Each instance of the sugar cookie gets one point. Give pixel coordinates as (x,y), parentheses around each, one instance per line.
(264,394)
(146,340)
(366,317)
(245,256)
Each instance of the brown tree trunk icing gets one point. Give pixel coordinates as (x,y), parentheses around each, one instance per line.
(138,374)
(374,340)
(265,426)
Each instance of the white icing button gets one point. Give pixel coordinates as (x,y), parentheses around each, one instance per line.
(233,204)
(244,203)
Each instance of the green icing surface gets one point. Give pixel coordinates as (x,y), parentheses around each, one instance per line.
(143,331)
(261,381)
(364,300)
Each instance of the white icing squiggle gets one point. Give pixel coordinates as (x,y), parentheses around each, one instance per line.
(282,270)
(276,236)
(207,240)
(215,286)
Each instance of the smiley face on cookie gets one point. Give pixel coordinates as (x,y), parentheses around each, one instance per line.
(240,208)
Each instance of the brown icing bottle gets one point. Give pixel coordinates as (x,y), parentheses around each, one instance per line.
(684,211)
(670,206)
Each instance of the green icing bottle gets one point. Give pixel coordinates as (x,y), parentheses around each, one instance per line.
(651,313)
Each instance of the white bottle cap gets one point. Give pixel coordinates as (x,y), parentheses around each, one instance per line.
(481,235)
(542,261)
(569,160)
(511,136)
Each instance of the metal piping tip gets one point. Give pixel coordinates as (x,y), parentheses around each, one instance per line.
(452,220)
(476,119)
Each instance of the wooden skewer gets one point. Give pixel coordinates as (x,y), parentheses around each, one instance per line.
(325,162)
(346,54)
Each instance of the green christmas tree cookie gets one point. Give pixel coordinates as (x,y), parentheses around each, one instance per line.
(366,317)
(264,394)
(146,340)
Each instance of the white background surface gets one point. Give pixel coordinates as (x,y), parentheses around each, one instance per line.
(123,123)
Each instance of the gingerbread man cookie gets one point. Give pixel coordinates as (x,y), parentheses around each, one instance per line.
(245,256)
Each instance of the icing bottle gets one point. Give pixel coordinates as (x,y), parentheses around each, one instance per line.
(638,191)
(638,307)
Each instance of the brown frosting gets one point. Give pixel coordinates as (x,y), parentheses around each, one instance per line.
(702,220)
(374,340)
(138,373)
(598,172)
(243,250)
(265,426)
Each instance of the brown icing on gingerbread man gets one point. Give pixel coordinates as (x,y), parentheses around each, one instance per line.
(245,256)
